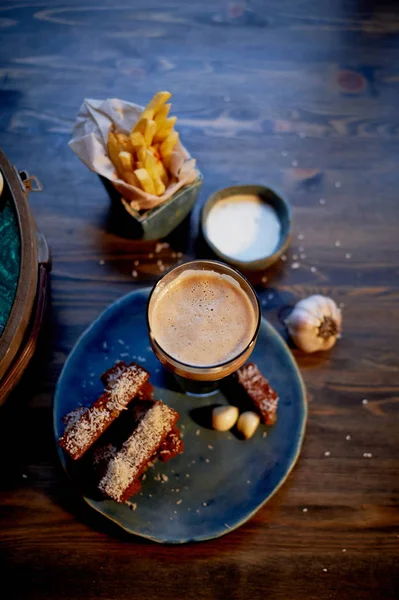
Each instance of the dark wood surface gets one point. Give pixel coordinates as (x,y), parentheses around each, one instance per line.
(301,96)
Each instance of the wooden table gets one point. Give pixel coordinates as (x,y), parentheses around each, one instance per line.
(301,96)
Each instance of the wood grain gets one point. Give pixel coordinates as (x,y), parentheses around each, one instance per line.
(301,96)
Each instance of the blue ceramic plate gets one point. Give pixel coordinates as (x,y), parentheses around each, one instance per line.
(219,481)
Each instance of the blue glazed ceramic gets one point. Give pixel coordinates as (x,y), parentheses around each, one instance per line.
(219,481)
(267,195)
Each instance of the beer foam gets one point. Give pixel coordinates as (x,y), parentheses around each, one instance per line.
(202,318)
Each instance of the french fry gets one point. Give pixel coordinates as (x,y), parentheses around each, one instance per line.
(162,173)
(159,187)
(166,127)
(126,160)
(162,114)
(131,178)
(150,131)
(113,151)
(157,101)
(147,114)
(141,125)
(124,142)
(168,145)
(137,140)
(147,127)
(142,155)
(145,180)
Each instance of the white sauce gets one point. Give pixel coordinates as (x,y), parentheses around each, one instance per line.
(244,227)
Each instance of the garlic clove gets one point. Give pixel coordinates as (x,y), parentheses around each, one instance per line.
(248,423)
(224,417)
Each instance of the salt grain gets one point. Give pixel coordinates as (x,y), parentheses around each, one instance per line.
(188,475)
(302,135)
(325,570)
(337,243)
(348,255)
(136,263)
(248,481)
(304,510)
(348,437)
(179,501)
(210,447)
(294,257)
(337,184)
(284,258)
(327,453)
(294,163)
(313,269)
(179,254)
(264,279)
(101,262)
(284,153)
(322,201)
(198,432)
(302,256)
(264,434)
(295,265)
(161,246)
(204,504)
(301,236)
(270,296)
(150,255)
(24,476)
(207,460)
(164,477)
(364,401)
(367,455)
(134,273)
(343,549)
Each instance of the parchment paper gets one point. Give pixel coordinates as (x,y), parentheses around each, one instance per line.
(89,142)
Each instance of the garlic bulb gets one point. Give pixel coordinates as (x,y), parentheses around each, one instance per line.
(315,323)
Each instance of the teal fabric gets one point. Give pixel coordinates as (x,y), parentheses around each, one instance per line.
(10,252)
